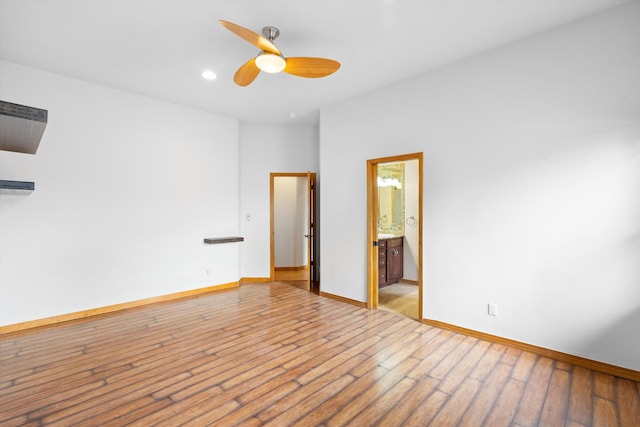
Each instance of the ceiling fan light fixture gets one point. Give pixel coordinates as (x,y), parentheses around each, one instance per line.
(270,63)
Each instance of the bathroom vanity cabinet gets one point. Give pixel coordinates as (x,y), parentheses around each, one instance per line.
(389,261)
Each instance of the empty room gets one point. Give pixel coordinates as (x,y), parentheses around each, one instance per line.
(320,213)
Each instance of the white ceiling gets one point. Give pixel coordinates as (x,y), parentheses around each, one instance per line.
(159,48)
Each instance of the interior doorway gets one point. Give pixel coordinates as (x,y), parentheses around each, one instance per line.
(294,245)
(394,229)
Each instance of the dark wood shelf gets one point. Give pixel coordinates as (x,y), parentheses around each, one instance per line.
(216,240)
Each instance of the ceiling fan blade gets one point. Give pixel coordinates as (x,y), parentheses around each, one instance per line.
(247,73)
(248,35)
(311,67)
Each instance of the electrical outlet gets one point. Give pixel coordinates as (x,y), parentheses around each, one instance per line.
(493,309)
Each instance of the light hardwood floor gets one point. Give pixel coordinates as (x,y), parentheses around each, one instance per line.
(273,354)
(297,278)
(401,298)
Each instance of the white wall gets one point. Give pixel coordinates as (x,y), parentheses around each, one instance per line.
(532,187)
(411,209)
(127,187)
(291,213)
(265,149)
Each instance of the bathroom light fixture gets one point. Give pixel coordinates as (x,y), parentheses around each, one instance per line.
(270,63)
(389,182)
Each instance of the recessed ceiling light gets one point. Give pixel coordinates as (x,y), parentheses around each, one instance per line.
(292,115)
(208,75)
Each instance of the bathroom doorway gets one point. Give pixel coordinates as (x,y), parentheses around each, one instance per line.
(394,227)
(294,245)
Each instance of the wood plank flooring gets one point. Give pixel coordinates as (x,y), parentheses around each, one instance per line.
(297,278)
(401,298)
(272,354)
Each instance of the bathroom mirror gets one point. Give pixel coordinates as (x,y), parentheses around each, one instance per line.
(391,198)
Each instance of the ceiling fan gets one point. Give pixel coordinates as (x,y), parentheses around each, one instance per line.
(270,59)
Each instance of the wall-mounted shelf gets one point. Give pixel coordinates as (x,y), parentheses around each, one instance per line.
(216,240)
(16,187)
(21,127)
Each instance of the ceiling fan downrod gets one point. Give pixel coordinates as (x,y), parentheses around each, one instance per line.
(271,33)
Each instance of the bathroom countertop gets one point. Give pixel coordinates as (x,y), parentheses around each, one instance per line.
(383,236)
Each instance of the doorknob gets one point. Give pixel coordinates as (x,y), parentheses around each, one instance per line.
(308,236)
